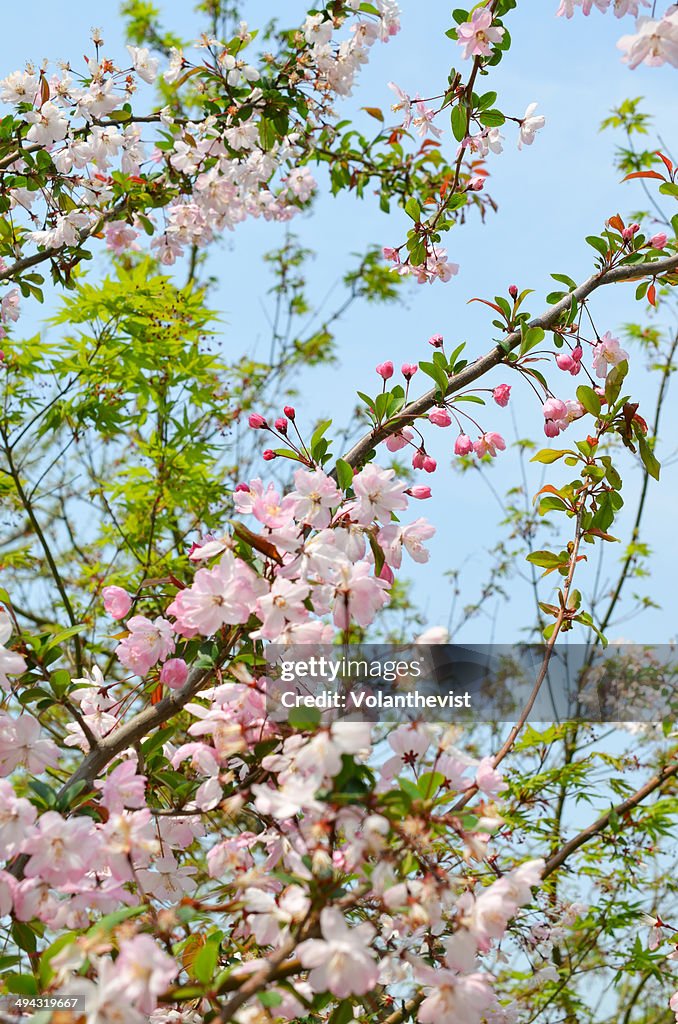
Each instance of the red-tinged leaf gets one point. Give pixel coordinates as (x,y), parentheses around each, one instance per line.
(667,163)
(594,531)
(156,696)
(374,112)
(652,295)
(492,305)
(155,581)
(427,143)
(395,136)
(616,222)
(550,489)
(644,174)
(44,90)
(255,540)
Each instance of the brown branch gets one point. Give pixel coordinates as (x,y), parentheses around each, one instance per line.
(495,356)
(658,780)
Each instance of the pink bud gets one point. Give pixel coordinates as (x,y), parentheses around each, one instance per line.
(476,184)
(551,428)
(243,487)
(385,370)
(418,459)
(440,417)
(174,673)
(117,602)
(429,465)
(658,241)
(463,445)
(257,421)
(289,412)
(386,573)
(577,353)
(564,361)
(281,425)
(408,370)
(268,455)
(513,291)
(629,232)
(419,491)
(501,394)
(436,340)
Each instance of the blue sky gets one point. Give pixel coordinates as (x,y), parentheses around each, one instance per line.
(550,196)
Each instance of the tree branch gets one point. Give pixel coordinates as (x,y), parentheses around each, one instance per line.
(495,356)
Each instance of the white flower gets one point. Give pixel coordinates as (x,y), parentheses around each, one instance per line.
(655,42)
(530,125)
(145,66)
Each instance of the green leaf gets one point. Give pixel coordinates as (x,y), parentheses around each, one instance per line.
(549,455)
(304,718)
(344,474)
(614,381)
(649,460)
(589,399)
(459,122)
(342,1014)
(598,244)
(545,559)
(205,962)
(436,372)
(413,209)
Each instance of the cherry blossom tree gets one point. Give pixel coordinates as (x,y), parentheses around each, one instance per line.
(172,850)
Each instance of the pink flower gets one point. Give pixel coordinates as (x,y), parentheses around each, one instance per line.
(440,417)
(281,425)
(408,370)
(144,971)
(272,510)
(385,370)
(121,237)
(404,104)
(394,442)
(555,414)
(655,42)
(342,962)
(454,996)
(148,642)
(378,494)
(315,496)
(117,602)
(284,603)
(224,595)
(17,817)
(256,421)
(393,538)
(463,445)
(391,254)
(123,788)
(489,444)
(606,353)
(501,394)
(22,743)
(658,241)
(11,663)
(420,460)
(358,595)
(419,492)
(436,340)
(476,35)
(488,780)
(61,849)
(174,673)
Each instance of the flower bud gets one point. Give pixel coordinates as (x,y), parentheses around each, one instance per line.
(436,340)
(174,673)
(513,291)
(385,370)
(117,602)
(440,417)
(268,455)
(257,422)
(408,370)
(501,394)
(463,445)
(658,241)
(281,425)
(289,412)
(419,491)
